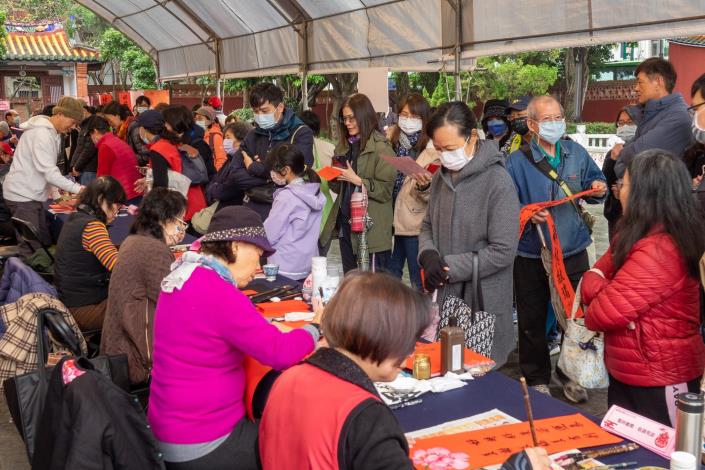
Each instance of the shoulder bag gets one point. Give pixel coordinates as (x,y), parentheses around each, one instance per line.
(477,324)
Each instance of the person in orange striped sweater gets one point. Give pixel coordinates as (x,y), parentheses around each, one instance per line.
(85,255)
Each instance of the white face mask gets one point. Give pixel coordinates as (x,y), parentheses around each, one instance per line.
(201,124)
(410,125)
(277,179)
(626,132)
(698,134)
(456,159)
(229,146)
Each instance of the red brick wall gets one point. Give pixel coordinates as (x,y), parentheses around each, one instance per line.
(82,81)
(687,61)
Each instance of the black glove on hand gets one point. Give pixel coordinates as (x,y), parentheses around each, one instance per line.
(435,274)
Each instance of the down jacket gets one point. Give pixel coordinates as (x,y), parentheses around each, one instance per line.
(653,290)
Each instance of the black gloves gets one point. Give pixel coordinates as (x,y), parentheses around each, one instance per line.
(433,265)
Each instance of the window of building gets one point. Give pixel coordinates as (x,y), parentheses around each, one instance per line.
(22,88)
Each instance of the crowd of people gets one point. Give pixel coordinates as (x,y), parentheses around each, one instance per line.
(253,193)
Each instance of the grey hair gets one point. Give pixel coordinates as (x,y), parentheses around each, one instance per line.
(533,104)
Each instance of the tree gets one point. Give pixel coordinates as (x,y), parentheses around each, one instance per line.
(3,33)
(344,85)
(590,58)
(130,63)
(511,78)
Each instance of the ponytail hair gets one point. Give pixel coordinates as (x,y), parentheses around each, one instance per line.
(290,155)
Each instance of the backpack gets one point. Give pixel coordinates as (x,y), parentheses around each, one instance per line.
(194,168)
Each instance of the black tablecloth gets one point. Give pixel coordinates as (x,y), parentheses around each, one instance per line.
(495,390)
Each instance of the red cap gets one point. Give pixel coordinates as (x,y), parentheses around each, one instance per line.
(215,102)
(5,147)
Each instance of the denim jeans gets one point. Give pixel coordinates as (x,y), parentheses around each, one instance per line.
(87,177)
(406,250)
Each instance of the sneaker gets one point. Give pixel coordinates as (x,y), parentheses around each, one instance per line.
(554,347)
(542,389)
(574,392)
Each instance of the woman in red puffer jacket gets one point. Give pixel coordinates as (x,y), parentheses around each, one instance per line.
(643,293)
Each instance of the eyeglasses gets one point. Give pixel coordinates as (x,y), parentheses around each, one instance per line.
(624,123)
(694,109)
(182,225)
(348,119)
(558,117)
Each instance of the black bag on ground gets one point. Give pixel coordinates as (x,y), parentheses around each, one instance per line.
(25,393)
(194,168)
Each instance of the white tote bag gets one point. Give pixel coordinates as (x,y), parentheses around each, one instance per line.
(582,356)
(176,181)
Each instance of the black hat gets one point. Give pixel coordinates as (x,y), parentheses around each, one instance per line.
(238,224)
(519,104)
(495,108)
(152,120)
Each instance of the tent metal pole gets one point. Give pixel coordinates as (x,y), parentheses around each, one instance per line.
(458,42)
(579,51)
(304,65)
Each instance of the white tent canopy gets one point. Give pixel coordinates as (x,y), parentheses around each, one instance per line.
(231,38)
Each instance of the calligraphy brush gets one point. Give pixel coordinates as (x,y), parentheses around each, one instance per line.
(529,413)
(617,465)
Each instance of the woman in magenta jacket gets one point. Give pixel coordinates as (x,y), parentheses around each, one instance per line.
(643,293)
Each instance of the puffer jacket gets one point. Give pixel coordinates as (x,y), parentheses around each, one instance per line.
(653,290)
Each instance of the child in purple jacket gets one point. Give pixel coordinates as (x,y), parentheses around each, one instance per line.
(295,219)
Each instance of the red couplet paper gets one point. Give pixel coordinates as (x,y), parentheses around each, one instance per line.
(433,350)
(405,165)
(329,173)
(279,309)
(493,446)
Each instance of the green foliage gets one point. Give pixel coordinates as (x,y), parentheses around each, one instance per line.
(118,48)
(244,114)
(444,91)
(511,78)
(591,127)
(3,33)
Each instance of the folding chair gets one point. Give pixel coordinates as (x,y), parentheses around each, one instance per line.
(29,234)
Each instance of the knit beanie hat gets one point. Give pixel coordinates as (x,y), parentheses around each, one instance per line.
(69,107)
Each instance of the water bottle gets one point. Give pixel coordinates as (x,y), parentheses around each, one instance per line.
(689,423)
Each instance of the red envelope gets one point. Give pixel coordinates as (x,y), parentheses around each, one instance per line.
(329,173)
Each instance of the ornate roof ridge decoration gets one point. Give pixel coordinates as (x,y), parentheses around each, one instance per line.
(44,42)
(697,41)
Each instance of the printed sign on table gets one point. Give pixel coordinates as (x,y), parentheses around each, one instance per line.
(656,437)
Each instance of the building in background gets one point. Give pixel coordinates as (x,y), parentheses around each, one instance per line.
(688,57)
(40,65)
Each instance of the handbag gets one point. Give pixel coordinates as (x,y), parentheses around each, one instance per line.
(261,194)
(202,219)
(477,324)
(582,356)
(25,393)
(358,209)
(175,181)
(193,167)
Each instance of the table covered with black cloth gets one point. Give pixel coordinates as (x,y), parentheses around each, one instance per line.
(495,390)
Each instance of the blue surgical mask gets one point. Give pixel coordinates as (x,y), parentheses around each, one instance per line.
(229,146)
(497,127)
(552,131)
(265,121)
(141,109)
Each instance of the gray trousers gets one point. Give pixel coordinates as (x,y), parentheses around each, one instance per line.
(34,213)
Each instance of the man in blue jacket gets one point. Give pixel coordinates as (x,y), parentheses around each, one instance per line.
(574,166)
(665,123)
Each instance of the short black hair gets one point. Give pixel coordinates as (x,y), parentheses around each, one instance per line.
(48,110)
(103,189)
(312,121)
(9,113)
(658,66)
(266,92)
(455,113)
(240,129)
(117,109)
(159,206)
(143,99)
(95,123)
(90,109)
(178,117)
(698,86)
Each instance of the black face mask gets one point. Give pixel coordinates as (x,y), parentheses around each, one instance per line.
(519,126)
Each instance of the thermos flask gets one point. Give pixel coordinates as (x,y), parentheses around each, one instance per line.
(689,423)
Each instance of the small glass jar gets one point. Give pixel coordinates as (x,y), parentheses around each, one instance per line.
(422,367)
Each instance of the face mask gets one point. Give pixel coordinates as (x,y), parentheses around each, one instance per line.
(141,109)
(201,124)
(16,121)
(410,125)
(698,134)
(496,127)
(519,126)
(277,179)
(626,132)
(456,159)
(144,139)
(229,146)
(265,121)
(552,131)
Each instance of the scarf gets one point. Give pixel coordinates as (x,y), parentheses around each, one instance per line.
(404,147)
(183,268)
